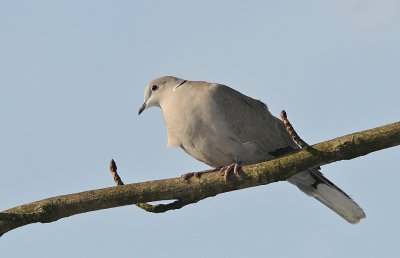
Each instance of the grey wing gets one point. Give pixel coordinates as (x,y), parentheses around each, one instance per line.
(249,121)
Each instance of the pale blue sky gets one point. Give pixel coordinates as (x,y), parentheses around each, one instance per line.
(72,79)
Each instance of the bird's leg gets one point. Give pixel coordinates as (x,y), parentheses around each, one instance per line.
(234,167)
(200,173)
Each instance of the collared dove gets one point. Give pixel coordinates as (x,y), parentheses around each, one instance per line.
(222,127)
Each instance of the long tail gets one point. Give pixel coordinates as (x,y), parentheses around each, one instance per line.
(314,184)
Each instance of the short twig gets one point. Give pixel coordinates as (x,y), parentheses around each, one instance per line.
(296,137)
(159,208)
(292,132)
(114,173)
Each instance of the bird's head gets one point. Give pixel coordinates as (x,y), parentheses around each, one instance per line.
(159,89)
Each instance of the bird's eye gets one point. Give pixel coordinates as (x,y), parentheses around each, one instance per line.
(154,88)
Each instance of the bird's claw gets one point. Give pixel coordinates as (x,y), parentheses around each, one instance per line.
(188,175)
(225,171)
(199,173)
(234,167)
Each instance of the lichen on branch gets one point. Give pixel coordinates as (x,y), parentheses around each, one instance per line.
(341,148)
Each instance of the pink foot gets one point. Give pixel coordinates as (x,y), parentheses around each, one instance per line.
(200,173)
(234,167)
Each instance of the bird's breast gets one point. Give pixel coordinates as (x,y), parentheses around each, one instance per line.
(185,124)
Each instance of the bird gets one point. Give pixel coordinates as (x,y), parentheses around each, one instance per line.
(224,128)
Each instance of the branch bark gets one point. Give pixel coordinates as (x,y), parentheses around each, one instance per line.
(193,190)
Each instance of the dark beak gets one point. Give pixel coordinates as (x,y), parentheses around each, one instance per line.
(142,108)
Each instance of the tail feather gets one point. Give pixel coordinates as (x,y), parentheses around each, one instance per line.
(314,184)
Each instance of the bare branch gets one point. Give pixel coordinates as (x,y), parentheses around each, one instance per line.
(342,148)
(292,132)
(289,127)
(114,173)
(159,208)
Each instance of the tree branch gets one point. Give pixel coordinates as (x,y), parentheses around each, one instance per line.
(159,208)
(189,191)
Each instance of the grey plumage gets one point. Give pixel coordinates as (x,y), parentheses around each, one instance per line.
(219,126)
